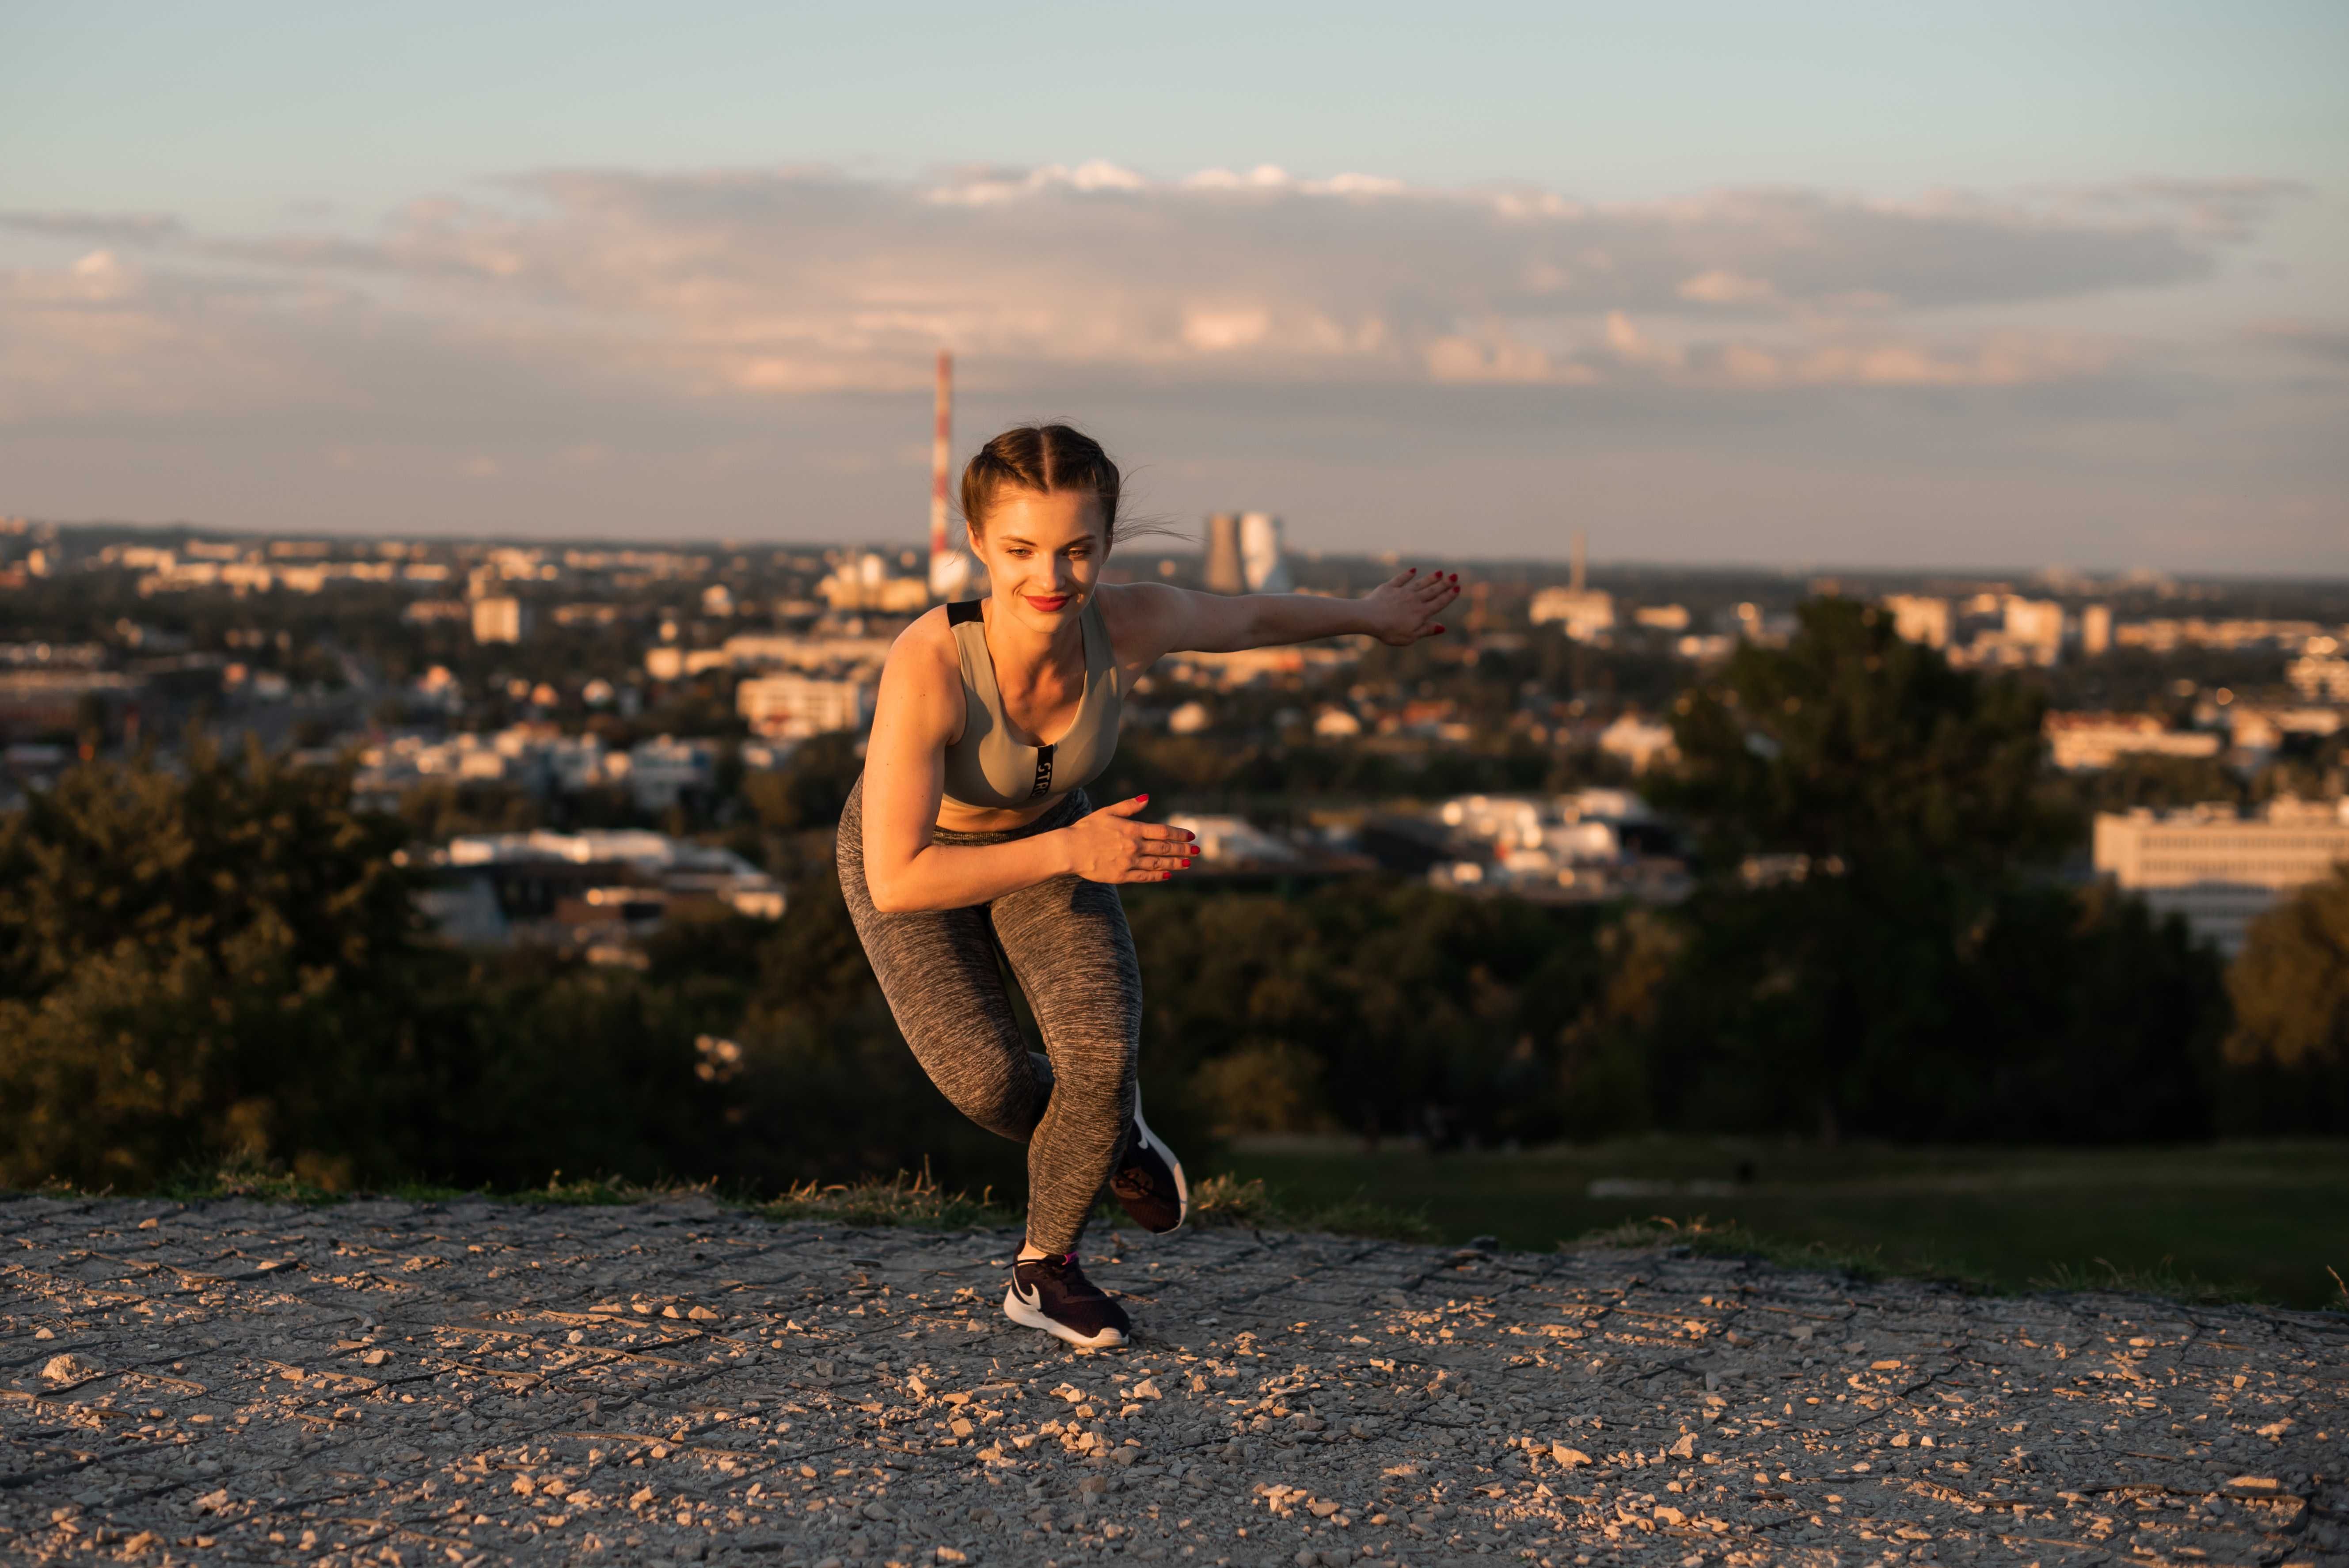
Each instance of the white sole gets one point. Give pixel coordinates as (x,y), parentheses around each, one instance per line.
(1027,1316)
(1182,1187)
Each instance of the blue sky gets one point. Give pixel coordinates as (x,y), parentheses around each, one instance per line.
(1966,285)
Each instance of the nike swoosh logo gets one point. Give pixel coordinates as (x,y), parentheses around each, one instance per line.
(1028,1293)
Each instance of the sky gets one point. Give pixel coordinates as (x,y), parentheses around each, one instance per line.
(1993,286)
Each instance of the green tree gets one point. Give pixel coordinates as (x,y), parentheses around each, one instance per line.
(199,965)
(1855,746)
(2290,1046)
(1911,973)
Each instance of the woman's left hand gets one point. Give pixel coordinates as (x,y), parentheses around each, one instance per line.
(1402,609)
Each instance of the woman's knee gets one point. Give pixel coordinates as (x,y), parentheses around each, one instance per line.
(1000,1094)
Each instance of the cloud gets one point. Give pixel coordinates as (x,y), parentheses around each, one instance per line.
(2321,341)
(102,227)
(800,280)
(747,327)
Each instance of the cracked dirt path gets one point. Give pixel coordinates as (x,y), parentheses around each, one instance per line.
(476,1382)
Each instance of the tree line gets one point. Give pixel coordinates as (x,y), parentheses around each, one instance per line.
(223,961)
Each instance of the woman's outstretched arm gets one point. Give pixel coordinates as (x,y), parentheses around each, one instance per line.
(1153,619)
(919,710)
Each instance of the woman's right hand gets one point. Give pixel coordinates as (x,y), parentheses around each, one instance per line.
(1108,846)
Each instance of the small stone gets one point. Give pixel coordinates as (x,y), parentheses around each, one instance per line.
(1147,1389)
(1686,1448)
(1568,1457)
(66,1368)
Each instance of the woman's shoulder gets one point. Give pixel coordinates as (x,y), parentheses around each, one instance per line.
(926,644)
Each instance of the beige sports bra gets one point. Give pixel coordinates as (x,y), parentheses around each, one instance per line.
(987,768)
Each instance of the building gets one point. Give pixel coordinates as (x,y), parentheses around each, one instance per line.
(1588,613)
(796,705)
(1641,742)
(1223,843)
(1919,618)
(782,650)
(1662,617)
(2082,742)
(2320,676)
(668,662)
(1225,573)
(865,583)
(1262,565)
(1589,845)
(599,892)
(500,618)
(663,769)
(2096,630)
(2035,627)
(2217,869)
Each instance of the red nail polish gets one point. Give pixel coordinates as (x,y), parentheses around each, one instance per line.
(1187,865)
(1165,876)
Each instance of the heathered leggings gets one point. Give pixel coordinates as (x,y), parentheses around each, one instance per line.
(1069,948)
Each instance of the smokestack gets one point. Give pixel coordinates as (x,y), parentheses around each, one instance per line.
(950,569)
(1225,573)
(1582,550)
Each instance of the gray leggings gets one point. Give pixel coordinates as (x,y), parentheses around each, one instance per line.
(1069,945)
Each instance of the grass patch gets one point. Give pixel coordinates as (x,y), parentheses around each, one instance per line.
(2163,1279)
(1732,1240)
(2262,1221)
(1228,1199)
(904,1199)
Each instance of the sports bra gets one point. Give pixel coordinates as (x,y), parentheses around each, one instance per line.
(985,767)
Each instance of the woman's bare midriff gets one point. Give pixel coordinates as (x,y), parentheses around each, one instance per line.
(957,817)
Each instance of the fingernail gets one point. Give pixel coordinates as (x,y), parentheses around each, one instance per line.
(1165,876)
(1439,630)
(1144,799)
(1187,865)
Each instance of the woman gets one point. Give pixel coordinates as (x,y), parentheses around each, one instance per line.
(970,829)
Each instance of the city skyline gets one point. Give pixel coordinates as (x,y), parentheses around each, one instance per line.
(1844,290)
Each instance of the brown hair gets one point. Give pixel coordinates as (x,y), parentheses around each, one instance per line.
(1044,458)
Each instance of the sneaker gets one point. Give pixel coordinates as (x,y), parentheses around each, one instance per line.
(1053,1294)
(1148,1179)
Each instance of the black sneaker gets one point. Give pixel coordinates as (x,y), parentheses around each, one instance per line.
(1053,1294)
(1148,1179)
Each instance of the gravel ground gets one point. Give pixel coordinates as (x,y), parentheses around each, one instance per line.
(477,1382)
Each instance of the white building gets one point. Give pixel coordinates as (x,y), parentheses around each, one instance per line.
(2320,676)
(2220,871)
(1641,742)
(1261,563)
(1919,618)
(1227,841)
(2096,630)
(1586,613)
(865,583)
(500,618)
(797,705)
(783,650)
(2081,742)
(2036,626)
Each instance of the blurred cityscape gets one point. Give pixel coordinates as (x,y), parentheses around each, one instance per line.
(584,739)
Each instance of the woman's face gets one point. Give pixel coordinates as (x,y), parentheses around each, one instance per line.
(1043,553)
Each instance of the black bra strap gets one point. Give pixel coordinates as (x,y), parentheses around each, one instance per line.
(963,610)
